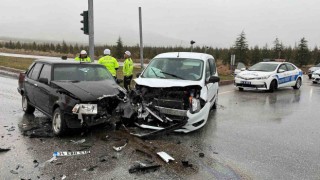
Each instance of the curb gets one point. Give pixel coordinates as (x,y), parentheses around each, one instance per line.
(12,72)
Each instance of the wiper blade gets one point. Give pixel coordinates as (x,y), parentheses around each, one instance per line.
(72,81)
(173,75)
(155,73)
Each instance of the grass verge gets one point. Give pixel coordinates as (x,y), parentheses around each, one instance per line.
(15,62)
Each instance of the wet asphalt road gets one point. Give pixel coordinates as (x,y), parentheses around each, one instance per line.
(252,135)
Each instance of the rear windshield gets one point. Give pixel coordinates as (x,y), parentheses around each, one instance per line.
(80,72)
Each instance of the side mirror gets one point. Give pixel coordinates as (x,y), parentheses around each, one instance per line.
(243,69)
(281,71)
(214,79)
(44,80)
(138,74)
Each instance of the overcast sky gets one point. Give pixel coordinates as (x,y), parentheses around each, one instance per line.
(165,22)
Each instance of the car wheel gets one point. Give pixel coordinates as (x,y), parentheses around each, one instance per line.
(26,107)
(314,82)
(240,89)
(58,122)
(298,84)
(310,76)
(273,86)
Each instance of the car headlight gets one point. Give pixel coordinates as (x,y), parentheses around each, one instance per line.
(85,109)
(263,77)
(194,104)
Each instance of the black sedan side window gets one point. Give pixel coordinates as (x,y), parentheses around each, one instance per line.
(46,72)
(35,72)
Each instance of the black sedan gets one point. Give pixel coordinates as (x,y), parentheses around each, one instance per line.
(72,94)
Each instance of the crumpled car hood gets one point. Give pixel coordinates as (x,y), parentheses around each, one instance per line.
(314,68)
(89,90)
(165,83)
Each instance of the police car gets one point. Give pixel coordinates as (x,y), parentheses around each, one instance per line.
(316,76)
(269,76)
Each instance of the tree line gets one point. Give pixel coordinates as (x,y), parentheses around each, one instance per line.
(300,54)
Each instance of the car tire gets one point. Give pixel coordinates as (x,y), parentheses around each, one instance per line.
(240,89)
(26,107)
(310,76)
(59,126)
(314,82)
(298,84)
(273,86)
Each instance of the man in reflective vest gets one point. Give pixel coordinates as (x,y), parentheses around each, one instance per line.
(109,62)
(127,70)
(83,57)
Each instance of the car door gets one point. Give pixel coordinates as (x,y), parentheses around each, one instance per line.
(42,91)
(283,77)
(31,82)
(211,70)
(293,74)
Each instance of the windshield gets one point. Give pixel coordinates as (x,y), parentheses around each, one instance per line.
(175,68)
(267,67)
(241,65)
(80,72)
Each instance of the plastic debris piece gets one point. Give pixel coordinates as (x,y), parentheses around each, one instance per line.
(119,148)
(186,163)
(36,163)
(166,157)
(63,177)
(70,153)
(4,149)
(201,155)
(54,158)
(142,167)
(78,142)
(14,172)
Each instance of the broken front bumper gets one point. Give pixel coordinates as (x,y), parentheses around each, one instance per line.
(188,122)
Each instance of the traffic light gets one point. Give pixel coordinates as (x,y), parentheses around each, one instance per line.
(85,22)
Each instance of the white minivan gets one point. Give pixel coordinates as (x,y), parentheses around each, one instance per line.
(177,91)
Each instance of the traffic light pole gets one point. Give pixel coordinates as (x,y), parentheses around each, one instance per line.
(91,30)
(141,40)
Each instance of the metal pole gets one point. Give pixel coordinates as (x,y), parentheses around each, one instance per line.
(91,30)
(141,40)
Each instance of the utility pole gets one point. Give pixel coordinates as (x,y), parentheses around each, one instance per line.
(141,40)
(91,30)
(191,43)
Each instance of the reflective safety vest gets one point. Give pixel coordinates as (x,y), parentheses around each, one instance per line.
(110,63)
(86,59)
(128,67)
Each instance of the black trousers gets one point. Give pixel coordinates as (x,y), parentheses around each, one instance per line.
(126,82)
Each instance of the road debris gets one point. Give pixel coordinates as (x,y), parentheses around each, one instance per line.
(91,168)
(119,148)
(201,155)
(144,153)
(70,153)
(63,177)
(166,157)
(186,163)
(103,158)
(78,142)
(143,167)
(12,128)
(36,163)
(14,172)
(54,158)
(4,149)
(19,166)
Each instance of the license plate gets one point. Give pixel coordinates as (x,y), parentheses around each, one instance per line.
(245,82)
